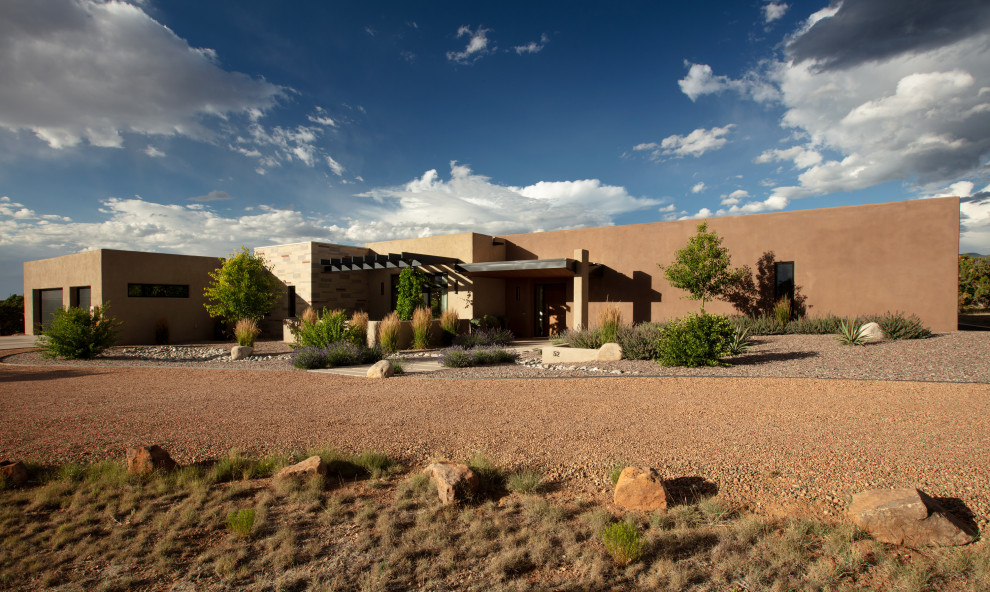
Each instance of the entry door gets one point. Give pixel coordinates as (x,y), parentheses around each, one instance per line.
(551,309)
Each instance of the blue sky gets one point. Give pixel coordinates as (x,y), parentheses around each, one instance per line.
(195,127)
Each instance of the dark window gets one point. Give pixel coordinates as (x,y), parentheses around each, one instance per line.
(47,303)
(157,291)
(291,293)
(785,280)
(434,292)
(81,297)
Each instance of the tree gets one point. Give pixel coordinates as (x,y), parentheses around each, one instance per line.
(702,267)
(243,287)
(411,281)
(12,315)
(974,281)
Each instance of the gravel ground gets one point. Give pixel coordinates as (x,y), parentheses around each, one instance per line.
(778,445)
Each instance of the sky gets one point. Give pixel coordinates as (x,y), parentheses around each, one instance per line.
(195,127)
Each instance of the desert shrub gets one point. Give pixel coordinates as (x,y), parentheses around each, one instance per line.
(328,327)
(761,325)
(609,322)
(642,341)
(623,541)
(583,338)
(241,522)
(696,340)
(421,321)
(309,357)
(851,333)
(342,353)
(485,338)
(449,324)
(524,481)
(740,343)
(310,316)
(896,325)
(459,357)
(388,333)
(359,327)
(161,331)
(782,310)
(814,325)
(246,331)
(78,333)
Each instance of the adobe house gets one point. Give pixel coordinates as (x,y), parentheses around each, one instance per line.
(900,256)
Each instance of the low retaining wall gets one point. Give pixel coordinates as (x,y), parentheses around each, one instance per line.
(565,354)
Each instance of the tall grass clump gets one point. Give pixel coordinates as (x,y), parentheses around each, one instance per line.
(246,331)
(241,522)
(79,333)
(359,326)
(623,541)
(895,325)
(388,333)
(783,311)
(320,330)
(449,325)
(421,321)
(582,338)
(609,322)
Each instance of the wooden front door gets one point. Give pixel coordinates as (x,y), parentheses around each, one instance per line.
(551,309)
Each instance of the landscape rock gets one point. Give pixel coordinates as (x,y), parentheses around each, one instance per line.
(907,517)
(454,481)
(241,352)
(381,369)
(640,489)
(14,473)
(146,459)
(872,333)
(610,352)
(313,465)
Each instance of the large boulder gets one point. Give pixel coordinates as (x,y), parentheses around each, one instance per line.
(381,369)
(241,352)
(142,460)
(301,471)
(640,489)
(454,481)
(14,473)
(610,352)
(872,333)
(907,517)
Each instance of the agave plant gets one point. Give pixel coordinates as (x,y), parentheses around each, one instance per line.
(740,343)
(852,334)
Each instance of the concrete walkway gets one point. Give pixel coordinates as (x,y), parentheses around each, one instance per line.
(16,341)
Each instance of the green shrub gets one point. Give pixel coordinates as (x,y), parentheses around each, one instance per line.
(246,332)
(524,481)
(814,325)
(485,338)
(896,325)
(851,333)
(309,358)
(583,338)
(77,333)
(397,366)
(241,522)
(696,340)
(411,282)
(458,357)
(321,330)
(421,321)
(623,541)
(12,315)
(642,341)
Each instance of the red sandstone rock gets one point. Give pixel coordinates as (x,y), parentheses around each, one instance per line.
(14,473)
(145,459)
(640,489)
(453,480)
(313,465)
(906,517)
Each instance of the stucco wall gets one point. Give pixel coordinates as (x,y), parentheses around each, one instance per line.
(76,270)
(898,256)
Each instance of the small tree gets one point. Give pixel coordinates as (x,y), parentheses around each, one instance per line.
(974,281)
(12,315)
(410,295)
(243,287)
(702,267)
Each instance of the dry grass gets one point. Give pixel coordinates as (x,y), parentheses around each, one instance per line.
(310,316)
(388,333)
(449,321)
(421,321)
(369,527)
(246,331)
(609,321)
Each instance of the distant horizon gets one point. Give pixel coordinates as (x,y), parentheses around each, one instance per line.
(194,128)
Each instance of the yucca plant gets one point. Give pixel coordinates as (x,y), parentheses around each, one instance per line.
(851,333)
(609,322)
(740,343)
(623,541)
(246,332)
(388,333)
(421,321)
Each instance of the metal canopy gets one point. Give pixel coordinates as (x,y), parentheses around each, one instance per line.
(389,261)
(524,268)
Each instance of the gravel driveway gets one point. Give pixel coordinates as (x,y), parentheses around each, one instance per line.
(775,444)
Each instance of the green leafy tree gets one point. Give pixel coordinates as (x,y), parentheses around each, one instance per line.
(12,315)
(78,333)
(974,281)
(411,282)
(243,287)
(703,267)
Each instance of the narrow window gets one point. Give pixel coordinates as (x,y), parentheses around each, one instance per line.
(291,293)
(785,280)
(157,291)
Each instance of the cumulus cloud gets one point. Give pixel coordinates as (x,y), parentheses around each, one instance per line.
(696,143)
(772,203)
(701,80)
(698,187)
(278,145)
(734,198)
(477,46)
(215,195)
(801,157)
(773,11)
(77,70)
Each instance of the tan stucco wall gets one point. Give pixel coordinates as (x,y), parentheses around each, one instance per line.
(898,256)
(108,272)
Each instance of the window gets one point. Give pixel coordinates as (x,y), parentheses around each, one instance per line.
(81,297)
(291,294)
(157,291)
(434,292)
(785,280)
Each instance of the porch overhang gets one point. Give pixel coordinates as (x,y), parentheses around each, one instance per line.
(389,261)
(542,268)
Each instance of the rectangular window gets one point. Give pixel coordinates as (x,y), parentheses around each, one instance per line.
(434,292)
(80,297)
(48,301)
(158,290)
(785,280)
(291,294)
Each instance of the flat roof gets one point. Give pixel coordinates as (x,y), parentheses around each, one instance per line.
(524,268)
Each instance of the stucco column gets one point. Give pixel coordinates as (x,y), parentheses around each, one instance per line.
(580,312)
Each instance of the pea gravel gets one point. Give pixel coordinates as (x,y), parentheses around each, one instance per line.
(894,414)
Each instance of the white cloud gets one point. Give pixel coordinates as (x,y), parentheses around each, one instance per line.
(335,166)
(698,187)
(77,70)
(477,46)
(773,11)
(772,203)
(215,195)
(277,146)
(734,198)
(532,46)
(701,80)
(801,157)
(321,118)
(153,152)
(694,144)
